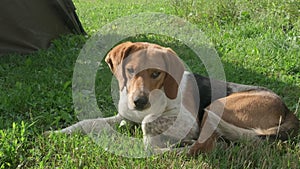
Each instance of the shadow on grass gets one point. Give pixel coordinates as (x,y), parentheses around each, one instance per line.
(37,87)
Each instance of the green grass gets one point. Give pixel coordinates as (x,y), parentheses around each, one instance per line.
(257,41)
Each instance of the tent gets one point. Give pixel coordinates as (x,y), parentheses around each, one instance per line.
(29,25)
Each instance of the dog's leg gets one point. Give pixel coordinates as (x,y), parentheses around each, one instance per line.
(153,127)
(92,125)
(207,138)
(168,131)
(203,147)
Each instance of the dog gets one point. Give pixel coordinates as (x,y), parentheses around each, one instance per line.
(178,108)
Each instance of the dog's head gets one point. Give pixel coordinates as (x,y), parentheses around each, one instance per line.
(141,68)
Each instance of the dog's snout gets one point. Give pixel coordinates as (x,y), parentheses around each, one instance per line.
(141,102)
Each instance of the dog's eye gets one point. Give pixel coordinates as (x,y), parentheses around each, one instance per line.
(154,75)
(130,70)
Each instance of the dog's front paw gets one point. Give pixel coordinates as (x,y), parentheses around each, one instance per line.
(50,132)
(47,133)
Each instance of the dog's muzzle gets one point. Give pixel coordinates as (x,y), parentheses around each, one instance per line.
(141,102)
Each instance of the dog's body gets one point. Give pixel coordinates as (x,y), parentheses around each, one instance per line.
(175,107)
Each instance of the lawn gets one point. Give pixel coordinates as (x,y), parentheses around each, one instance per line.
(258,43)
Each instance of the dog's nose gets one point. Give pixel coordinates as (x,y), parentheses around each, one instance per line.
(140,102)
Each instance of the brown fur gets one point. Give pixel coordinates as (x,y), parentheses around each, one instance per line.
(136,56)
(252,114)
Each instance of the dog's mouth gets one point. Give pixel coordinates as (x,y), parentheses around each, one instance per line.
(142,109)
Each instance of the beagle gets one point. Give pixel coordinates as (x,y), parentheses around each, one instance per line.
(177,108)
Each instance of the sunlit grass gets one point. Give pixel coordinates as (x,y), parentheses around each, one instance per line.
(257,41)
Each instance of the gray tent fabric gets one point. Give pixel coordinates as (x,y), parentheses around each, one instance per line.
(30,25)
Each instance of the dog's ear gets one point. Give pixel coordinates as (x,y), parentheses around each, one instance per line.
(171,87)
(175,70)
(114,60)
(117,54)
